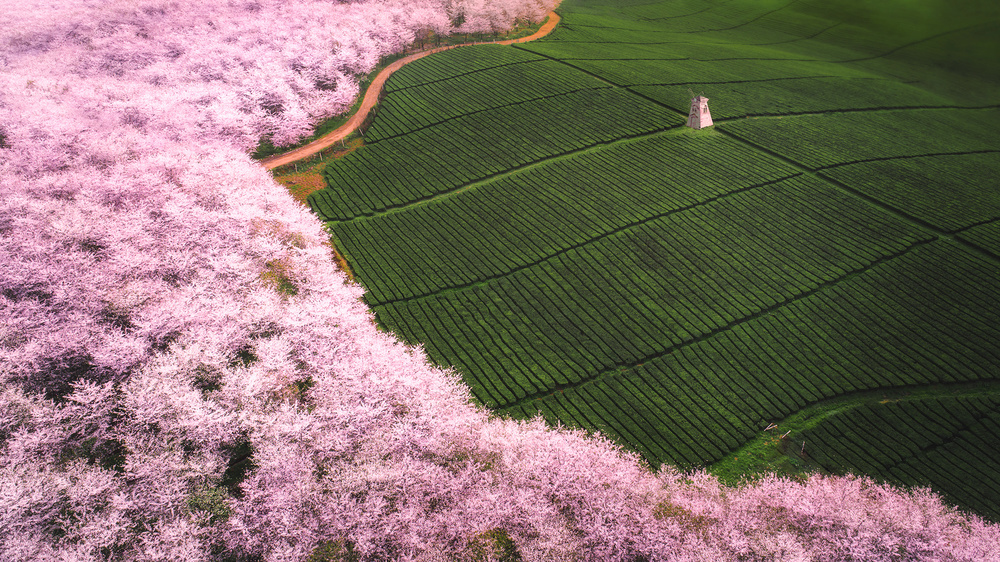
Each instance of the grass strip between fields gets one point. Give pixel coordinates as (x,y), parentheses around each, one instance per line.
(721,329)
(776,451)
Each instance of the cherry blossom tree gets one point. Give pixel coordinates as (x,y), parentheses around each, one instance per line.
(186,376)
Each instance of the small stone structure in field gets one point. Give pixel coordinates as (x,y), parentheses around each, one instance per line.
(699,116)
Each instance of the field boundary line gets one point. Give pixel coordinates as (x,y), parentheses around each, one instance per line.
(797,39)
(623,367)
(816,412)
(895,50)
(631,59)
(462,75)
(747,22)
(685,15)
(589,241)
(864,110)
(577,68)
(508,172)
(374,91)
(904,157)
(885,207)
(504,106)
(974,225)
(630,86)
(941,234)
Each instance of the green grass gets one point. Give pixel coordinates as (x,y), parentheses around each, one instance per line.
(538,217)
(943,437)
(781,449)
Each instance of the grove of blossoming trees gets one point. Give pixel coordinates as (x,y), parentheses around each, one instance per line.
(186,376)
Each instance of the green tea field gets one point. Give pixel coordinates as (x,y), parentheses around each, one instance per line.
(538,217)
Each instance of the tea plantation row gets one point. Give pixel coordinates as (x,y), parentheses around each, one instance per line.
(538,217)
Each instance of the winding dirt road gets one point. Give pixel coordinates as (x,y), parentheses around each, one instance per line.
(372,95)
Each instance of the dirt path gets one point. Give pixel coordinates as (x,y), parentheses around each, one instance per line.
(371,98)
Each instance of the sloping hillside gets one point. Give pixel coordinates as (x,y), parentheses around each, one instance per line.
(538,217)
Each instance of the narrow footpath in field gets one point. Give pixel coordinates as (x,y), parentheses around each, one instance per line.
(372,96)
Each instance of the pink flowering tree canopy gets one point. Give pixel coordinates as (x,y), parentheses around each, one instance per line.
(186,375)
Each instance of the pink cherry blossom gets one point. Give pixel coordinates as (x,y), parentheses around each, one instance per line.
(165,397)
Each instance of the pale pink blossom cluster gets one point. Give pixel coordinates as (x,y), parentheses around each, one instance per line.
(186,376)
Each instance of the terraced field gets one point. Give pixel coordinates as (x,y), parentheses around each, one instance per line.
(538,217)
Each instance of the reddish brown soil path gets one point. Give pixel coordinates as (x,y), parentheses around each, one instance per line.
(371,98)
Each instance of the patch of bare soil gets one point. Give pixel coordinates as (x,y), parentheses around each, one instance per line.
(303,178)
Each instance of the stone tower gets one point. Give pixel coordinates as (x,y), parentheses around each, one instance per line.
(699,116)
